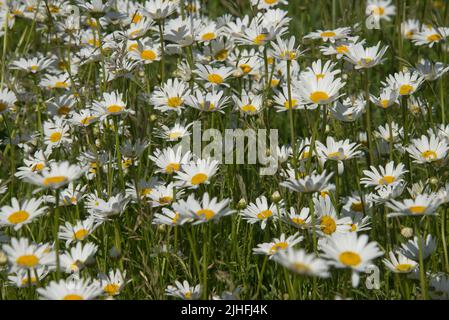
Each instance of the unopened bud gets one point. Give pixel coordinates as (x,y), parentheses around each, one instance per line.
(241,204)
(407,232)
(153,117)
(276,197)
(3,258)
(434,180)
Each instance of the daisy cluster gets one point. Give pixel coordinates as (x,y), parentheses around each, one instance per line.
(99,201)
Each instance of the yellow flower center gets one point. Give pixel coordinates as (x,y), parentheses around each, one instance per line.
(274,83)
(198,179)
(404,267)
(38,167)
(336,156)
(174,135)
(172,167)
(246,68)
(81,234)
(87,120)
(319,76)
(61,84)
(176,218)
(405,89)
(114,108)
(293,103)
(188,295)
(208,36)
(249,108)
(342,49)
(174,102)
(165,199)
(387,180)
(357,206)
(148,55)
(417,209)
(18,217)
(379,11)
(328,225)
(260,39)
(215,78)
(384,103)
(319,96)
(429,155)
(301,267)
(350,259)
(54,180)
(271,1)
(265,214)
(63,110)
(278,246)
(73,297)
(221,55)
(298,221)
(328,34)
(111,289)
(55,137)
(29,261)
(206,213)
(34,68)
(434,37)
(133,47)
(136,18)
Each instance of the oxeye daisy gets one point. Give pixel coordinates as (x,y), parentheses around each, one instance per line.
(212,75)
(184,291)
(19,214)
(439,287)
(112,104)
(329,35)
(267,4)
(278,244)
(387,135)
(56,176)
(169,160)
(348,110)
(338,151)
(33,164)
(380,9)
(139,29)
(387,98)
(198,172)
(363,58)
(175,132)
(409,27)
(23,278)
(398,263)
(33,65)
(208,209)
(410,249)
(351,251)
(61,81)
(172,218)
(299,220)
(171,95)
(428,149)
(422,205)
(382,176)
(405,82)
(340,47)
(327,222)
(83,118)
(77,232)
(145,52)
(7,100)
(260,212)
(70,289)
(431,71)
(356,204)
(314,182)
(282,101)
(319,90)
(159,9)
(113,282)
(210,102)
(320,70)
(24,255)
(163,195)
(248,103)
(285,50)
(430,36)
(298,261)
(56,133)
(104,210)
(61,106)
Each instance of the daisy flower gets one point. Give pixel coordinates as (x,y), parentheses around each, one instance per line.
(410,249)
(169,160)
(387,98)
(314,182)
(337,150)
(431,71)
(382,176)
(184,291)
(398,263)
(177,131)
(328,222)
(170,96)
(159,9)
(58,175)
(380,9)
(321,90)
(405,82)
(23,279)
(112,104)
(212,75)
(74,260)
(330,35)
(113,282)
(145,52)
(277,245)
(32,65)
(301,220)
(172,218)
(197,172)
(17,215)
(363,58)
(7,100)
(248,103)
(298,261)
(79,231)
(208,209)
(409,28)
(260,212)
(420,206)
(285,50)
(163,195)
(70,289)
(210,102)
(428,149)
(430,36)
(24,255)
(351,251)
